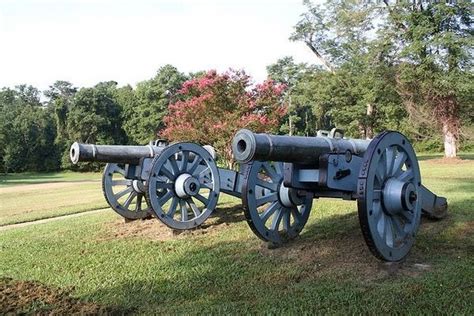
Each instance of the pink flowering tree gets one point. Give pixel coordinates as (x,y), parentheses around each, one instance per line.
(215,106)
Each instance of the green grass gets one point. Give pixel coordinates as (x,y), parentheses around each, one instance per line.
(226,269)
(36,178)
(66,194)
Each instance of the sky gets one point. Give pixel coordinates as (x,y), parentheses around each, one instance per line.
(88,41)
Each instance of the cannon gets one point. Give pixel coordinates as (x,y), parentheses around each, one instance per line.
(178,183)
(285,174)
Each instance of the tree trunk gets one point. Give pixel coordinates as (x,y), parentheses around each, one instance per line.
(449,141)
(370,121)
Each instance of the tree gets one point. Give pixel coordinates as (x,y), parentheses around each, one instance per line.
(61,95)
(215,106)
(27,132)
(297,78)
(144,112)
(412,53)
(357,91)
(433,53)
(94,117)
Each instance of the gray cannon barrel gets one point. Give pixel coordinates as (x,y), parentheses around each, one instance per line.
(247,146)
(112,153)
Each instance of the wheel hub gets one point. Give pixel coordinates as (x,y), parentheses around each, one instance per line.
(399,196)
(186,185)
(138,186)
(288,197)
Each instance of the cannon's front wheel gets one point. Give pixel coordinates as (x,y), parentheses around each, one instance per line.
(274,212)
(184,187)
(125,196)
(389,197)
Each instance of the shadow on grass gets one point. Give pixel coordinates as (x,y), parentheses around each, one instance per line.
(328,268)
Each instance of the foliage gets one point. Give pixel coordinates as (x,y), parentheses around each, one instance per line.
(144,108)
(27,132)
(215,106)
(390,65)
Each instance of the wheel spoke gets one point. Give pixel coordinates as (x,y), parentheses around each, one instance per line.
(207,185)
(120,170)
(296,214)
(164,171)
(138,206)
(399,162)
(194,207)
(406,176)
(129,199)
(123,192)
(270,171)
(174,165)
(268,198)
(201,198)
(377,195)
(269,212)
(286,219)
(173,206)
(184,163)
(390,157)
(266,184)
(184,210)
(398,228)
(121,182)
(388,232)
(164,185)
(381,224)
(380,171)
(195,164)
(165,198)
(277,219)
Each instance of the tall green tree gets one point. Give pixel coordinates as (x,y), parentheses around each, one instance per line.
(27,132)
(300,119)
(94,117)
(356,92)
(432,49)
(144,112)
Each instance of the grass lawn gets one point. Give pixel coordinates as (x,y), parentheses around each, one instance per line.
(48,195)
(36,178)
(142,267)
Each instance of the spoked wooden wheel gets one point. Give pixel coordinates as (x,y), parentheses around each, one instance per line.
(389,202)
(125,196)
(183,189)
(274,212)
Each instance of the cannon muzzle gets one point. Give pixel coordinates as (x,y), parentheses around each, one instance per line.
(112,153)
(247,146)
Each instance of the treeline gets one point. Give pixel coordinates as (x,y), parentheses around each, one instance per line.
(403,66)
(36,134)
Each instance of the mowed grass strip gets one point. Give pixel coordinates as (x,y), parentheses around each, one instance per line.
(48,177)
(224,268)
(29,202)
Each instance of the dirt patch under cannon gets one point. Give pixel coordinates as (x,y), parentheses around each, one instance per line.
(155,230)
(30,297)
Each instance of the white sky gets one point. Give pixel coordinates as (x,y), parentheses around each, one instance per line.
(88,41)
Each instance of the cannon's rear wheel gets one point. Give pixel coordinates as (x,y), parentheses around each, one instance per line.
(125,196)
(184,187)
(274,213)
(389,203)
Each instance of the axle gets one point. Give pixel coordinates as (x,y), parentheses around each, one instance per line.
(248,146)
